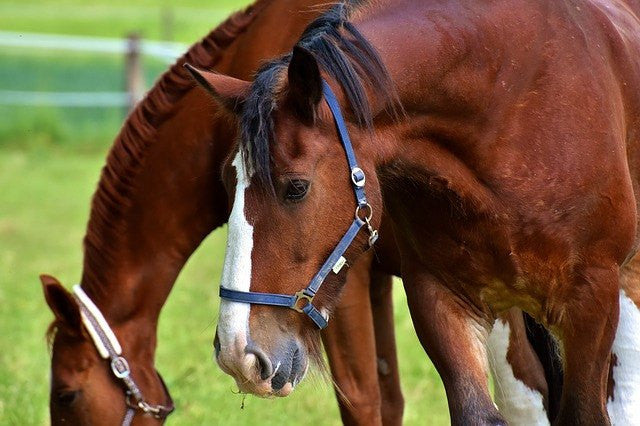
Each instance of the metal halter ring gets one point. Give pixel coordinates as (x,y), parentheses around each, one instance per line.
(120,367)
(143,406)
(360,209)
(301,295)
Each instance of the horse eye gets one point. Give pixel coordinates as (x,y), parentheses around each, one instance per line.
(296,190)
(66,398)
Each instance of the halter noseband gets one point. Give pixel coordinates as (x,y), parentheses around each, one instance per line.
(302,300)
(109,348)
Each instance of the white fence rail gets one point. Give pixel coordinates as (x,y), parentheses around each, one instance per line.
(167,51)
(64,99)
(131,48)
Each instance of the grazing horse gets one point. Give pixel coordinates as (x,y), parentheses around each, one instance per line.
(149,214)
(509,175)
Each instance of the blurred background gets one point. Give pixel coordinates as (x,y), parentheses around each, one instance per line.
(69,70)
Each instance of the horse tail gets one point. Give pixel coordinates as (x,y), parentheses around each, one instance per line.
(546,348)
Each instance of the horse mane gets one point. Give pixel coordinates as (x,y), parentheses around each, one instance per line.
(127,155)
(344,55)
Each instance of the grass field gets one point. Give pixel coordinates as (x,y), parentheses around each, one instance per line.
(49,164)
(43,209)
(178,20)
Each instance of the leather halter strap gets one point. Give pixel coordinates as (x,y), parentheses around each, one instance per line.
(109,348)
(302,300)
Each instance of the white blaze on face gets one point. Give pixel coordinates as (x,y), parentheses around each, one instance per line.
(624,408)
(233,323)
(518,403)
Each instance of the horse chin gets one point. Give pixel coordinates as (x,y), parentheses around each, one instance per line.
(286,390)
(264,389)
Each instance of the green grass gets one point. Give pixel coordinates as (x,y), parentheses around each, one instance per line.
(42,126)
(43,210)
(50,160)
(177,20)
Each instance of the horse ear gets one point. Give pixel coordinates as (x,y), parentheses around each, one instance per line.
(61,302)
(305,82)
(230,92)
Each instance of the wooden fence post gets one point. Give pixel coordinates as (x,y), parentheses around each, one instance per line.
(134,76)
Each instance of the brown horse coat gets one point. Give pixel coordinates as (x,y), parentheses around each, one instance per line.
(511,182)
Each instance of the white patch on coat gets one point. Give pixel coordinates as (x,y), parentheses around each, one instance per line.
(518,403)
(233,322)
(624,408)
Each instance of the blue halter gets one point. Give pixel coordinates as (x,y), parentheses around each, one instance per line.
(302,300)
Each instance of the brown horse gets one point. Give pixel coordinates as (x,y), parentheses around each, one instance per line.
(150,213)
(155,122)
(354,374)
(510,178)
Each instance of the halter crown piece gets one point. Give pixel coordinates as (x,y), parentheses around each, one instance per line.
(302,300)
(109,348)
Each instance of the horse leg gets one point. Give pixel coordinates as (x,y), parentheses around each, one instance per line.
(392,405)
(623,404)
(520,385)
(586,325)
(455,340)
(350,344)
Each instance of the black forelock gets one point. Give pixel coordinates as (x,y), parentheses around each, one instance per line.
(344,55)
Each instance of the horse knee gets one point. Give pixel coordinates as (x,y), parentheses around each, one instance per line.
(392,409)
(361,410)
(481,416)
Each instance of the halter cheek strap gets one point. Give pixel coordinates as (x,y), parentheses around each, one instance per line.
(109,348)
(302,300)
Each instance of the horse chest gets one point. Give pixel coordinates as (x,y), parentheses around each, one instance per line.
(473,254)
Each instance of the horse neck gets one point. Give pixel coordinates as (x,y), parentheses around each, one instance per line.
(176,200)
(177,197)
(444,96)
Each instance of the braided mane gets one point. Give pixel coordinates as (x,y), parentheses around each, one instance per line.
(127,155)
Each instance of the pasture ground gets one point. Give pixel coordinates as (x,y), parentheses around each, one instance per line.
(50,161)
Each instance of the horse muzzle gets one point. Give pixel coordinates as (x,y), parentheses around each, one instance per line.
(262,373)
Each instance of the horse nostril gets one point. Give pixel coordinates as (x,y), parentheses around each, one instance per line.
(264,363)
(216,345)
(296,366)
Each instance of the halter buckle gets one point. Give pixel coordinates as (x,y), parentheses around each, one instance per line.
(357,177)
(120,367)
(301,295)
